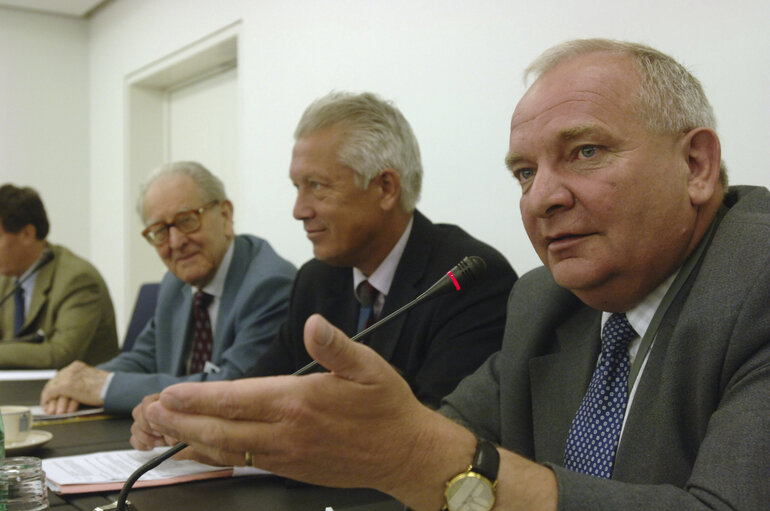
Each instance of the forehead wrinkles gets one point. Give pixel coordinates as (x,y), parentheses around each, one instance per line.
(566,117)
(589,102)
(165,203)
(596,84)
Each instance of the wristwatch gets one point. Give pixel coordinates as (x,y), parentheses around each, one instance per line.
(474,489)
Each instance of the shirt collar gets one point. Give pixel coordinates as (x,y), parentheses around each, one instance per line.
(29,285)
(216,286)
(640,316)
(382,277)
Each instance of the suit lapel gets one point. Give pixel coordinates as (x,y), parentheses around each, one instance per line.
(6,325)
(559,381)
(43,283)
(343,304)
(652,398)
(180,324)
(233,280)
(404,289)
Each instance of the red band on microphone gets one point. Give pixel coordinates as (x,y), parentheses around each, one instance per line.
(453,280)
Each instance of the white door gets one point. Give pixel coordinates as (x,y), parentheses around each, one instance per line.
(202,125)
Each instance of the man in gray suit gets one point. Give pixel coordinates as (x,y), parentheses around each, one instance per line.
(241,284)
(635,367)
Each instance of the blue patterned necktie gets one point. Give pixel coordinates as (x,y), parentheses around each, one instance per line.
(18,298)
(593,437)
(367,294)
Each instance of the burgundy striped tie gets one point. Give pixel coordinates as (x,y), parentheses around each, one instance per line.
(203,339)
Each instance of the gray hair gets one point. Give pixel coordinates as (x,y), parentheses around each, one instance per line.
(376,136)
(669,100)
(209,185)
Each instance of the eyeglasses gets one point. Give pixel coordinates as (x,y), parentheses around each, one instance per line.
(186,221)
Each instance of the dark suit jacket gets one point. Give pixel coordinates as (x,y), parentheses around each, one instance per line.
(698,431)
(435,344)
(253,304)
(71,305)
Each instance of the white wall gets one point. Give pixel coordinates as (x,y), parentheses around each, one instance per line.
(44,118)
(453,67)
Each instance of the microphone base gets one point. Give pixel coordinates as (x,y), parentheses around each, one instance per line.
(114,506)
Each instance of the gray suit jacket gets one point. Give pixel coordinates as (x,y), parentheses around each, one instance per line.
(698,431)
(253,305)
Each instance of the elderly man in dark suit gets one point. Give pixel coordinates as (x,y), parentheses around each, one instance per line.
(357,170)
(635,367)
(218,308)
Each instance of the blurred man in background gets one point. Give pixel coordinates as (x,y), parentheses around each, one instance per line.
(57,307)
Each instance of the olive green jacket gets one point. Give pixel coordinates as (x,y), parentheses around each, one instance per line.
(70,307)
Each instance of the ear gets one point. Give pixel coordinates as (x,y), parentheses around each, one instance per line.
(227,215)
(389,186)
(28,234)
(227,209)
(704,154)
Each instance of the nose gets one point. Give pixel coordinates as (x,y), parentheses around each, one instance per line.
(302,208)
(548,193)
(176,238)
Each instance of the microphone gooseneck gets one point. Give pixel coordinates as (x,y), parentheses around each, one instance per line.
(122,502)
(465,273)
(46,258)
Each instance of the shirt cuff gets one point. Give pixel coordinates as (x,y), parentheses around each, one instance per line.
(106,386)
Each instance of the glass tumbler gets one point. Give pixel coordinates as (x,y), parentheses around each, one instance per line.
(22,484)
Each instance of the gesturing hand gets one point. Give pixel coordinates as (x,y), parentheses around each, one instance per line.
(357,426)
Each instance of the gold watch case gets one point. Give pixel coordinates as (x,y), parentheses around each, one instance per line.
(469,491)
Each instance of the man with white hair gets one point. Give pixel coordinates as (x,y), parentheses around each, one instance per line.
(357,171)
(219,305)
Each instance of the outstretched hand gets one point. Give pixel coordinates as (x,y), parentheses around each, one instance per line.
(358,425)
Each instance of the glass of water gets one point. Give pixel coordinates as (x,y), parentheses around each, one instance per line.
(22,484)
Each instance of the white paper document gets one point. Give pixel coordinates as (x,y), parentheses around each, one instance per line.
(39,415)
(104,467)
(27,374)
(109,470)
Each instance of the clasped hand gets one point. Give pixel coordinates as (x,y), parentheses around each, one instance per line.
(75,384)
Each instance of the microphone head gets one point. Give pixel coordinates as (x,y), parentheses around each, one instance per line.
(469,270)
(464,273)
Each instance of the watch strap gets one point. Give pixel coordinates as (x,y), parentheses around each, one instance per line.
(486,461)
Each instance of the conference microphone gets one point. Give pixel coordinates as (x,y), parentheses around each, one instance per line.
(465,273)
(46,258)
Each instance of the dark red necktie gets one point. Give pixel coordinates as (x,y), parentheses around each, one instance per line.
(203,339)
